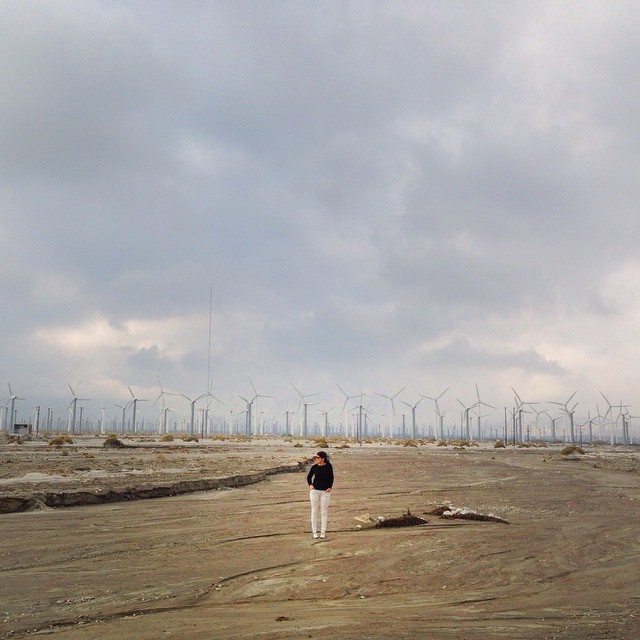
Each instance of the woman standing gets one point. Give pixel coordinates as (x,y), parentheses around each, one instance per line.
(320,481)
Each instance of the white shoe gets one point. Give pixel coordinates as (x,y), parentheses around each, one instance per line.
(315,535)
(322,535)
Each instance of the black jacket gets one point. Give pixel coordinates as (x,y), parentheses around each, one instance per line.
(321,476)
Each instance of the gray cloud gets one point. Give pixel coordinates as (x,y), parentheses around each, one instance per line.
(371,190)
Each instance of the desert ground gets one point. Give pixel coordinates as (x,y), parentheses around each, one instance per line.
(238,561)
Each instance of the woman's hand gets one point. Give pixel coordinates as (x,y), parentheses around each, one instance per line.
(310,487)
(328,490)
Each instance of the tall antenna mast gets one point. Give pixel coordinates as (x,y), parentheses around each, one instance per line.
(209,381)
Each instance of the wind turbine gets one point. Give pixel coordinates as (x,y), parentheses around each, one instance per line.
(439,414)
(345,408)
(538,414)
(361,419)
(287,420)
(12,400)
(255,400)
(569,413)
(413,416)
(192,402)
(233,408)
(325,420)
(248,421)
(392,409)
(71,422)
(124,408)
(102,418)
(626,436)
(134,402)
(609,412)
(304,405)
(520,410)
(465,417)
(480,404)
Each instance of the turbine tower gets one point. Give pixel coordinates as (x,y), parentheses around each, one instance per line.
(134,415)
(304,405)
(413,416)
(345,409)
(255,401)
(392,409)
(569,413)
(439,414)
(12,408)
(72,408)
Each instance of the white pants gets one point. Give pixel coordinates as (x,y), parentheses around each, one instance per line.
(319,499)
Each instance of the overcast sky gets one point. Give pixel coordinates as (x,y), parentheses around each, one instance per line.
(377,194)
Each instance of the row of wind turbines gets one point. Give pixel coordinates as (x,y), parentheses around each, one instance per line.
(356,419)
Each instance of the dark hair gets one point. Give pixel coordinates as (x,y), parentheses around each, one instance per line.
(323,455)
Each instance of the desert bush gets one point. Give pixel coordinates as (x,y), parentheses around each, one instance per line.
(112,441)
(499,445)
(410,443)
(321,443)
(572,448)
(442,443)
(60,440)
(190,438)
(167,437)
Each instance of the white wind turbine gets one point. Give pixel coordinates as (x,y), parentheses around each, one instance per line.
(124,408)
(439,414)
(134,415)
(325,420)
(481,404)
(520,410)
(192,403)
(102,418)
(465,418)
(255,401)
(233,408)
(361,419)
(413,416)
(248,422)
(569,413)
(538,414)
(392,409)
(609,412)
(72,409)
(12,408)
(287,420)
(304,406)
(345,409)
(164,412)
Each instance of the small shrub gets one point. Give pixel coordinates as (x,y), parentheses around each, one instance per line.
(572,448)
(442,443)
(60,440)
(190,438)
(167,437)
(112,441)
(298,444)
(410,443)
(499,445)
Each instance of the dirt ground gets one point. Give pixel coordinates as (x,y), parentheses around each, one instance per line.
(241,563)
